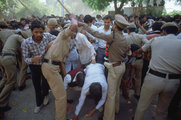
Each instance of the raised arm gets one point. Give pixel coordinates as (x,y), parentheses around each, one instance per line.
(103,36)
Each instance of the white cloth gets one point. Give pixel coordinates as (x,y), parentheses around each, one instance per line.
(94,27)
(96,39)
(94,73)
(26,27)
(85,49)
(68,79)
(165,54)
(179,36)
(73,57)
(102,43)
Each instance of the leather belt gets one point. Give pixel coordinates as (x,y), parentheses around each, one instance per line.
(116,64)
(8,54)
(52,62)
(163,75)
(138,58)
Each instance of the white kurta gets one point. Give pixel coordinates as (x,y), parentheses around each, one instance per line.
(94,73)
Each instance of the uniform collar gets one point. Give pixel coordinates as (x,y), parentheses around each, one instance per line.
(171,35)
(119,32)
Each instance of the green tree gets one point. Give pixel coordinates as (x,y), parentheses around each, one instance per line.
(7,8)
(103,4)
(34,6)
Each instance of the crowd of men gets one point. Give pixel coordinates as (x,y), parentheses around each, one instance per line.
(100,56)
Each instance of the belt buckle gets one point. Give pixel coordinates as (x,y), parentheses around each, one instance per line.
(167,76)
(50,61)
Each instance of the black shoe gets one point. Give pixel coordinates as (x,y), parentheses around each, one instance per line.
(14,89)
(1,115)
(5,109)
(137,97)
(22,87)
(70,101)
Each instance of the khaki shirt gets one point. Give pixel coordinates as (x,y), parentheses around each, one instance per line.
(12,44)
(59,50)
(134,38)
(118,47)
(165,54)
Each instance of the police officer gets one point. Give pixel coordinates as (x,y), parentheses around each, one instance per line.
(163,76)
(134,38)
(55,56)
(117,53)
(52,26)
(8,62)
(5,32)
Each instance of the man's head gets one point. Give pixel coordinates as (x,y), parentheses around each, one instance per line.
(23,21)
(143,17)
(169,28)
(80,79)
(131,28)
(96,91)
(3,25)
(88,20)
(107,21)
(157,26)
(134,48)
(120,23)
(81,17)
(177,18)
(131,19)
(52,23)
(99,18)
(67,17)
(37,29)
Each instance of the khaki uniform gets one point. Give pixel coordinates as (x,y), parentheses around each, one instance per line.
(57,52)
(23,75)
(134,38)
(4,34)
(165,60)
(8,62)
(117,53)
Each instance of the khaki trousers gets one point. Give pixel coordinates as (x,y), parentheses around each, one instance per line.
(138,74)
(153,86)
(9,79)
(51,73)
(113,94)
(23,75)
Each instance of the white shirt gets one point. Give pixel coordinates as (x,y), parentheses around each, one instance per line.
(165,54)
(102,43)
(73,55)
(67,21)
(94,73)
(85,49)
